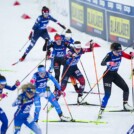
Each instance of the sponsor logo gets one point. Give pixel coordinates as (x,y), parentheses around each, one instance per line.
(77,12)
(120,27)
(95,19)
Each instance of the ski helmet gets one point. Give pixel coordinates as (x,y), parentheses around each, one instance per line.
(41,68)
(116,46)
(57,37)
(45,9)
(77,44)
(2,80)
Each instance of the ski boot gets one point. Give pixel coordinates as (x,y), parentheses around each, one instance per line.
(100,113)
(127,107)
(23,58)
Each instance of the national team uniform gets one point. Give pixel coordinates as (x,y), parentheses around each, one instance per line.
(73,70)
(3,117)
(67,42)
(39,29)
(59,52)
(43,91)
(113,76)
(22,115)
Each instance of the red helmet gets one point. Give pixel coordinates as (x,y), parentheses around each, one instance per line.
(57,37)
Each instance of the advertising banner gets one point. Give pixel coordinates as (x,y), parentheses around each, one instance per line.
(77,15)
(95,22)
(105,19)
(120,23)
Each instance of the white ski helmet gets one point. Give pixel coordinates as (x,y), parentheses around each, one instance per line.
(77,44)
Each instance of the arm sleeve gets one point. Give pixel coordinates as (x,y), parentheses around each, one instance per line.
(125,55)
(105,60)
(52,19)
(11,88)
(18,101)
(54,81)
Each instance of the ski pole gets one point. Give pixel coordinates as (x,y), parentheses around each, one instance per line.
(68,109)
(66,71)
(95,85)
(132,69)
(85,74)
(96,74)
(23,45)
(32,70)
(60,81)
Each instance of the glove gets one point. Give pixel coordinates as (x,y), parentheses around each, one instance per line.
(3,95)
(30,35)
(32,81)
(48,53)
(17,83)
(132,54)
(58,93)
(61,93)
(112,63)
(62,26)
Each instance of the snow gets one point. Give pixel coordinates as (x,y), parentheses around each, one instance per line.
(14,34)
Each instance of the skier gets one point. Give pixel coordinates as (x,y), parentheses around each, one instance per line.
(3,117)
(40,80)
(24,102)
(72,69)
(39,30)
(113,60)
(69,40)
(59,51)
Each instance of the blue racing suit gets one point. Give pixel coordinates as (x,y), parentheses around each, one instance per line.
(3,117)
(43,91)
(22,115)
